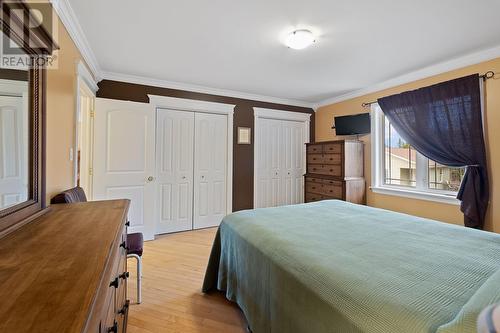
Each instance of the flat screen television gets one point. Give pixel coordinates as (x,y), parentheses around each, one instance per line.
(357,124)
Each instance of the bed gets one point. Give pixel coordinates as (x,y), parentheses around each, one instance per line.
(332,266)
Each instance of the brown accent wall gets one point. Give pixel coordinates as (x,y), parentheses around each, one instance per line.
(243,117)
(13,74)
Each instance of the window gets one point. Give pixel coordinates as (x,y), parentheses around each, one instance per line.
(399,169)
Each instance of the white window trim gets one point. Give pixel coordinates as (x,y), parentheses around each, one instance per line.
(377,169)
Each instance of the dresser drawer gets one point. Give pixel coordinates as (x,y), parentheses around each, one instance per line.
(314,187)
(332,148)
(332,170)
(315,149)
(332,159)
(112,292)
(315,158)
(315,168)
(332,191)
(325,169)
(109,319)
(313,180)
(331,182)
(327,189)
(121,292)
(311,197)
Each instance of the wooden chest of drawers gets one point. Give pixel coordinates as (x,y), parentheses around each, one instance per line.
(335,171)
(66,271)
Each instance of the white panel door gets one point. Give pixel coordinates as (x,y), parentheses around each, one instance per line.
(292,171)
(210,161)
(174,165)
(280,162)
(13,151)
(123,165)
(269,165)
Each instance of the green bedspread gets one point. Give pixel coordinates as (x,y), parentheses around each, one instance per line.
(332,266)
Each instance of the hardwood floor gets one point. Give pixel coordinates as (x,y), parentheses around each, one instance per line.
(173,270)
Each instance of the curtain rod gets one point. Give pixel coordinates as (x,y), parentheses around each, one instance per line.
(485,76)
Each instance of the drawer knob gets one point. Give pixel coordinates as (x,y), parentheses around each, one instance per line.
(124,245)
(124,275)
(114,283)
(114,328)
(123,310)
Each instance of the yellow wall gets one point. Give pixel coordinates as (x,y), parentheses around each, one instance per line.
(438,211)
(61,87)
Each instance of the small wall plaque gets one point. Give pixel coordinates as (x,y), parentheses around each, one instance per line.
(244,135)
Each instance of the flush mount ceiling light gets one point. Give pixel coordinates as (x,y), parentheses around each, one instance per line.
(299,39)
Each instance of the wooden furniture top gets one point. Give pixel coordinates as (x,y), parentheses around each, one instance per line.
(50,269)
(334,141)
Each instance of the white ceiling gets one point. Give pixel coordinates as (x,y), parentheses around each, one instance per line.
(237,45)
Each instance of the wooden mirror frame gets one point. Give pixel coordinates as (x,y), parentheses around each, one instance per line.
(37,43)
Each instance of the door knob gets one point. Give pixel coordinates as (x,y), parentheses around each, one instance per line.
(151,178)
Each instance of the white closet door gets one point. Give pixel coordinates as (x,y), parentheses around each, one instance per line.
(269,165)
(293,151)
(174,165)
(124,159)
(13,151)
(280,162)
(210,161)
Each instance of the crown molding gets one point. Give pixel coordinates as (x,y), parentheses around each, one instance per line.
(201,89)
(281,115)
(190,104)
(439,68)
(70,21)
(83,73)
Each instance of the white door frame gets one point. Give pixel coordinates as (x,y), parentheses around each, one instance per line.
(183,104)
(263,113)
(84,81)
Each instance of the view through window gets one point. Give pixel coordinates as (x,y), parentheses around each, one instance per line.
(401,162)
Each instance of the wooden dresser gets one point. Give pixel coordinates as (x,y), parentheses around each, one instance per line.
(335,171)
(66,271)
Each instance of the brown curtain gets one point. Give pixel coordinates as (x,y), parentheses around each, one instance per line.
(444,123)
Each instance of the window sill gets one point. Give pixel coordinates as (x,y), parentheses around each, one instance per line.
(413,194)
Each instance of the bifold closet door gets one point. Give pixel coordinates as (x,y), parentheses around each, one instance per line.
(174,165)
(292,161)
(280,162)
(210,161)
(269,163)
(191,157)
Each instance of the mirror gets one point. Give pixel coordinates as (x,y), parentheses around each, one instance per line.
(15,128)
(15,138)
(23,77)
